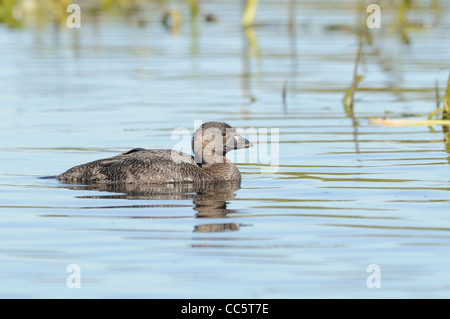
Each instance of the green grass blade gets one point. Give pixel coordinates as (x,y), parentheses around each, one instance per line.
(447,97)
(249,13)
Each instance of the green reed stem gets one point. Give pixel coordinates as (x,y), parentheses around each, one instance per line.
(447,97)
(249,12)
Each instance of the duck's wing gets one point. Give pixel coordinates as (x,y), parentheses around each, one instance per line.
(136,166)
(152,166)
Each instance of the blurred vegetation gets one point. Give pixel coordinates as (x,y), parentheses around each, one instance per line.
(14,12)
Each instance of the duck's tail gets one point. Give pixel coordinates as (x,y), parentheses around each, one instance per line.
(48,177)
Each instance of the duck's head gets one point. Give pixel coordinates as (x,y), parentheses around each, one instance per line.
(213,140)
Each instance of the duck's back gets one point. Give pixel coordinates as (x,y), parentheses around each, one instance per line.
(138,166)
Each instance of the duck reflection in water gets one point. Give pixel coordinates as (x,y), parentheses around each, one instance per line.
(209,201)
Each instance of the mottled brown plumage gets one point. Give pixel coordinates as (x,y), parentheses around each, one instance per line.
(210,143)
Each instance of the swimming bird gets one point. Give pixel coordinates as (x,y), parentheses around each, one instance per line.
(210,143)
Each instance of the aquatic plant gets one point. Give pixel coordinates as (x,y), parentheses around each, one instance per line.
(13,12)
(444,110)
(362,33)
(445,101)
(10,13)
(349,96)
(249,12)
(447,97)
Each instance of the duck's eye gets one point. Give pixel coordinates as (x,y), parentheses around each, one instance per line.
(224,134)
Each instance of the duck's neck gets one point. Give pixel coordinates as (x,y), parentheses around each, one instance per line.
(222,169)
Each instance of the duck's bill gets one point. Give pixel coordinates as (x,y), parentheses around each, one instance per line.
(238,142)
